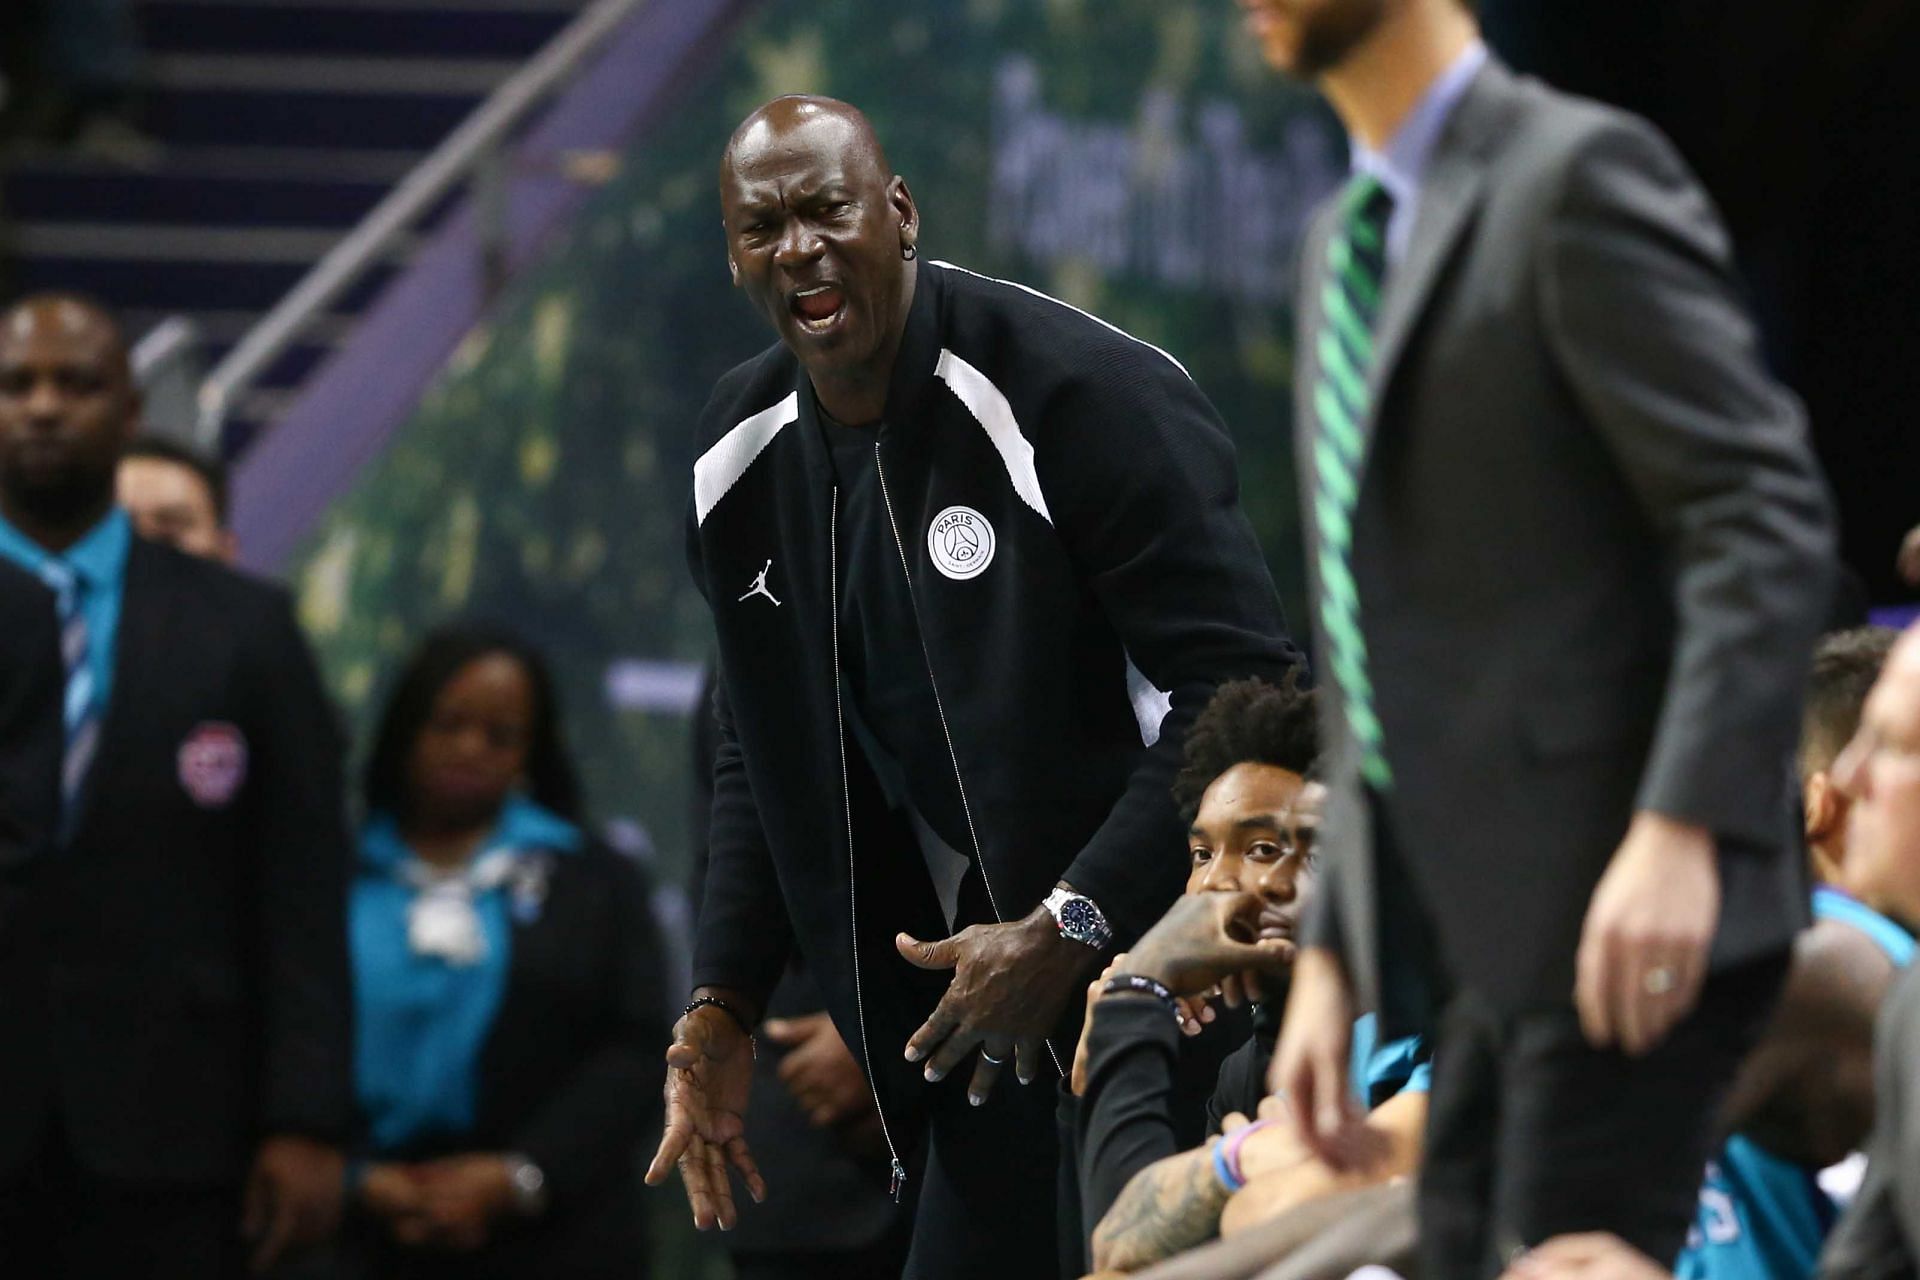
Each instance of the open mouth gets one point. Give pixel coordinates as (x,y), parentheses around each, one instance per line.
(818,307)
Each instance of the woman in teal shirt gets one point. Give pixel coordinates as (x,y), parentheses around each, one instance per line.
(508,1011)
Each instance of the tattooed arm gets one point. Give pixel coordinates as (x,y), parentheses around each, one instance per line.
(1171,1205)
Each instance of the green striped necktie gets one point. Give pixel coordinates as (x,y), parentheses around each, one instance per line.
(1349,305)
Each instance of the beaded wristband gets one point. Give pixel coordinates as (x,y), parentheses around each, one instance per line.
(701,1002)
(1120,983)
(1137,982)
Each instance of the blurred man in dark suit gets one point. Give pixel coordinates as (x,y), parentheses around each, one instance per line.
(30,733)
(174,994)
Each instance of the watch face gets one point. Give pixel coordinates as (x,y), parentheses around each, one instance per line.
(1078,918)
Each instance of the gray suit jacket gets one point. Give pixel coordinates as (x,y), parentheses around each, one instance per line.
(1592,547)
(1876,1238)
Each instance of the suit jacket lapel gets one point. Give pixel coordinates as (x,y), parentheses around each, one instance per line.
(1450,194)
(139,647)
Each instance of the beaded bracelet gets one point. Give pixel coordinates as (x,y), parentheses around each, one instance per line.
(701,1002)
(1120,983)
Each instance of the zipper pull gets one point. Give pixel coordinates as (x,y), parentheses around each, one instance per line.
(899,1182)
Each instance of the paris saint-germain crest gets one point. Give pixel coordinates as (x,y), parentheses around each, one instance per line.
(961,543)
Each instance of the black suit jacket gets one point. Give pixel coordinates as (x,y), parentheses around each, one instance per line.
(173,984)
(31,737)
(1591,545)
(569,1065)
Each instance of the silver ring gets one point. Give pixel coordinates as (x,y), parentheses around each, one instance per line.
(1658,981)
(987,1057)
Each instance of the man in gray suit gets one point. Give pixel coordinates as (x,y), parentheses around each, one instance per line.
(1570,553)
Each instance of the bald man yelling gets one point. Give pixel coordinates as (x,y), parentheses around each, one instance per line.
(976,559)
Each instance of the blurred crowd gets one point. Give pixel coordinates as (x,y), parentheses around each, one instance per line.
(70,73)
(251,1033)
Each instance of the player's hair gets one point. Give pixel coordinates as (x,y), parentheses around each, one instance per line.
(1845,666)
(212,471)
(1248,721)
(551,782)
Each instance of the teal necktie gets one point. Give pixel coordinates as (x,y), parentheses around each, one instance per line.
(1349,304)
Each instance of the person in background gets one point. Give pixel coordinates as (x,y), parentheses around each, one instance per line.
(176,495)
(507,991)
(174,995)
(824,1215)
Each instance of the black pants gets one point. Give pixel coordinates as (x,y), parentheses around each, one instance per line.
(1533,1133)
(989,1187)
(875,1262)
(60,1222)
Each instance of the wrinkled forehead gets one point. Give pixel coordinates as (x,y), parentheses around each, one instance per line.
(820,151)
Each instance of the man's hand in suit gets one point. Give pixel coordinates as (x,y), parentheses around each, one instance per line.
(709,1077)
(819,1070)
(460,1197)
(292,1199)
(1643,949)
(1310,1063)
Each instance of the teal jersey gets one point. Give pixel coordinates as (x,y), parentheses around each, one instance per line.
(1380,1071)
(1762,1217)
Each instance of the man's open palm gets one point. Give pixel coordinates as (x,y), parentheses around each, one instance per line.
(709,1075)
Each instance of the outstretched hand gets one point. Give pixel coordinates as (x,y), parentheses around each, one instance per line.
(1011,983)
(819,1070)
(709,1075)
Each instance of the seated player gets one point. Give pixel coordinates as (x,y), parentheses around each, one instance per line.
(1253,813)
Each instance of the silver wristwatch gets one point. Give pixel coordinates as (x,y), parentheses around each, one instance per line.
(1079,918)
(529,1186)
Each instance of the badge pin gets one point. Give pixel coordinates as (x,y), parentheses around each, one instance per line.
(961,543)
(213,764)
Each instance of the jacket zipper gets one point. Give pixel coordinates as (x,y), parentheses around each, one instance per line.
(939,706)
(898,1180)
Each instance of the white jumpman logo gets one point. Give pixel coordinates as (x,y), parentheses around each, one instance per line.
(759,587)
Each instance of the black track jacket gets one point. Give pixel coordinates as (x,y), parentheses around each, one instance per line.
(1105,583)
